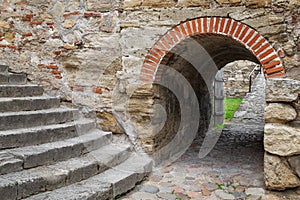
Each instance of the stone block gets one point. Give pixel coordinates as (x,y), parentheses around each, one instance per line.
(282,140)
(294,162)
(278,174)
(258,3)
(279,113)
(99,5)
(282,90)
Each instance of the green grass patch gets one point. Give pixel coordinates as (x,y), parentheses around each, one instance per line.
(231,106)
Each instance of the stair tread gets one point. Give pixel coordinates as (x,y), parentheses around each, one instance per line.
(45,127)
(48,153)
(64,173)
(106,185)
(45,111)
(6,99)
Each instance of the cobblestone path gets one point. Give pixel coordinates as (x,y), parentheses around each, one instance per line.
(232,170)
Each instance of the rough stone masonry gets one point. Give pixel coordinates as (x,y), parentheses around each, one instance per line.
(91,52)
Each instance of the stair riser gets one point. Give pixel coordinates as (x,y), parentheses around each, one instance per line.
(12,91)
(36,119)
(43,136)
(12,79)
(3,68)
(64,153)
(28,105)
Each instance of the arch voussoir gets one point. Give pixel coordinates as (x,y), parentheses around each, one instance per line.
(245,35)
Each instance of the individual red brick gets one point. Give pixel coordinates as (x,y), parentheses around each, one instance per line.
(176,29)
(233,28)
(183,30)
(272,64)
(211,25)
(41,66)
(261,49)
(36,23)
(222,25)
(97,90)
(265,54)
(274,70)
(189,28)
(56,72)
(92,15)
(71,13)
(217,25)
(279,74)
(194,27)
(238,31)
(58,77)
(248,36)
(204,25)
(227,26)
(243,34)
(199,25)
(27,34)
(173,35)
(258,44)
(267,60)
(253,40)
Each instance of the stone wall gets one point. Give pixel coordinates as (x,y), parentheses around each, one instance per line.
(91,52)
(236,81)
(282,134)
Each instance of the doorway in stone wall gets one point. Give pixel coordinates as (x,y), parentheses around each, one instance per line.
(235,163)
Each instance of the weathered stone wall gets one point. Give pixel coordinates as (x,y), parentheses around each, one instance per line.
(91,52)
(282,134)
(236,81)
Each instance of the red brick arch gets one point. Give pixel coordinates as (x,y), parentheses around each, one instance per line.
(247,36)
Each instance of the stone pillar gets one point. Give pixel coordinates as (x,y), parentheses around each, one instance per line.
(282,134)
(219,98)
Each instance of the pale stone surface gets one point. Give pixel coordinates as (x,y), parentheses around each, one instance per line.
(258,3)
(279,113)
(108,122)
(194,3)
(295,164)
(278,175)
(282,90)
(99,5)
(282,140)
(131,3)
(228,1)
(158,3)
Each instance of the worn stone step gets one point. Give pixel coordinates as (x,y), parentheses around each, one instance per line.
(33,156)
(43,134)
(26,119)
(20,90)
(28,103)
(106,185)
(12,79)
(32,181)
(3,68)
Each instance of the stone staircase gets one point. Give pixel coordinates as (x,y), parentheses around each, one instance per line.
(51,152)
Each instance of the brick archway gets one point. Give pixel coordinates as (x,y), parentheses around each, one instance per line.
(225,27)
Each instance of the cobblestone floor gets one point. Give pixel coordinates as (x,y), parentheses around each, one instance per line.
(232,170)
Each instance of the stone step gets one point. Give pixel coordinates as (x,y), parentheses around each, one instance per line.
(26,119)
(12,79)
(14,160)
(28,182)
(106,185)
(3,68)
(28,103)
(20,90)
(43,134)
